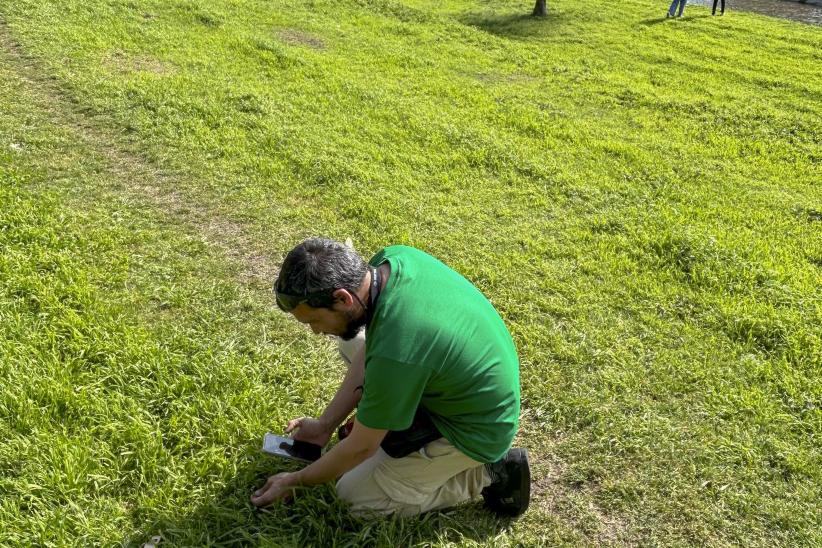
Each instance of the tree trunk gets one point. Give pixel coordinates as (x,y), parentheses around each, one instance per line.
(540,8)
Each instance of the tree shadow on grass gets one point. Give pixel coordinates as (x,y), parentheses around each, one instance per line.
(520,26)
(314,518)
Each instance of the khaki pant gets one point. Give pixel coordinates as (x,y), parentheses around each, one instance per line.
(437,476)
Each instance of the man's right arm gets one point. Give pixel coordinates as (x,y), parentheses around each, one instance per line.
(345,400)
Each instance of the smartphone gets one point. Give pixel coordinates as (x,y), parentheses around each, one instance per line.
(290,448)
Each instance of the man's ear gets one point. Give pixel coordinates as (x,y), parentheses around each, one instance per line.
(343,296)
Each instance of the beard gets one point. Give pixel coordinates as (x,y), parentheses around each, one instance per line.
(353,327)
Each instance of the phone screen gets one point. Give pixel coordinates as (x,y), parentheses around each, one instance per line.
(290,448)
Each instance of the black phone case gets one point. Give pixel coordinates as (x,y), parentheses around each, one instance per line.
(290,448)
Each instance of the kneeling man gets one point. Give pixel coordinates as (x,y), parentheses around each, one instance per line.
(424,347)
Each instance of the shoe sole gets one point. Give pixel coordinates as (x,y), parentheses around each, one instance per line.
(524,481)
(518,504)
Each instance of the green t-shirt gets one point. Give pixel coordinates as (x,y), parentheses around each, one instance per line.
(435,341)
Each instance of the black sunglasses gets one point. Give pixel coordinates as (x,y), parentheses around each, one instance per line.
(316,299)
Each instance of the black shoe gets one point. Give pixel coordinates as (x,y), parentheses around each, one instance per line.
(510,489)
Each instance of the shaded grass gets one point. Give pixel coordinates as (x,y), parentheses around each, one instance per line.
(637,200)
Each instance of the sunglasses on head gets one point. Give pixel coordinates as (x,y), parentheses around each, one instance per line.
(316,299)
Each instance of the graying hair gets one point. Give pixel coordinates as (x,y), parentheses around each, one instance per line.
(320,264)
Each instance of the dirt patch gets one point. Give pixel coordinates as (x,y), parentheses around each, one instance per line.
(294,37)
(492,78)
(126,62)
(141,178)
(550,495)
(547,490)
(257,268)
(575,506)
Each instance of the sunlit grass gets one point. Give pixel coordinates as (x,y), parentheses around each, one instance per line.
(639,199)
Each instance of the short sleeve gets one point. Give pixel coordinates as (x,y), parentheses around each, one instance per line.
(391,394)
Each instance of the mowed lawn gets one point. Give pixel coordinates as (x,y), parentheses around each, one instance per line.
(639,198)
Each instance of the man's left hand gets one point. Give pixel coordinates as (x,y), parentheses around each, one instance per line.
(278,487)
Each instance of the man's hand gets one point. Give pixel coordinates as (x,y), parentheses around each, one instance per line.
(309,430)
(279,487)
(358,446)
(362,443)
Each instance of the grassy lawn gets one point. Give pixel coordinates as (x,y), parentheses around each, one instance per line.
(640,199)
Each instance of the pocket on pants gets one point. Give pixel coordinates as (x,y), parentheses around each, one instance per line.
(437,448)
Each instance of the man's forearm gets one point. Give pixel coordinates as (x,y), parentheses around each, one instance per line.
(340,459)
(344,456)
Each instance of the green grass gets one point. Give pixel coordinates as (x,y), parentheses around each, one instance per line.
(639,198)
